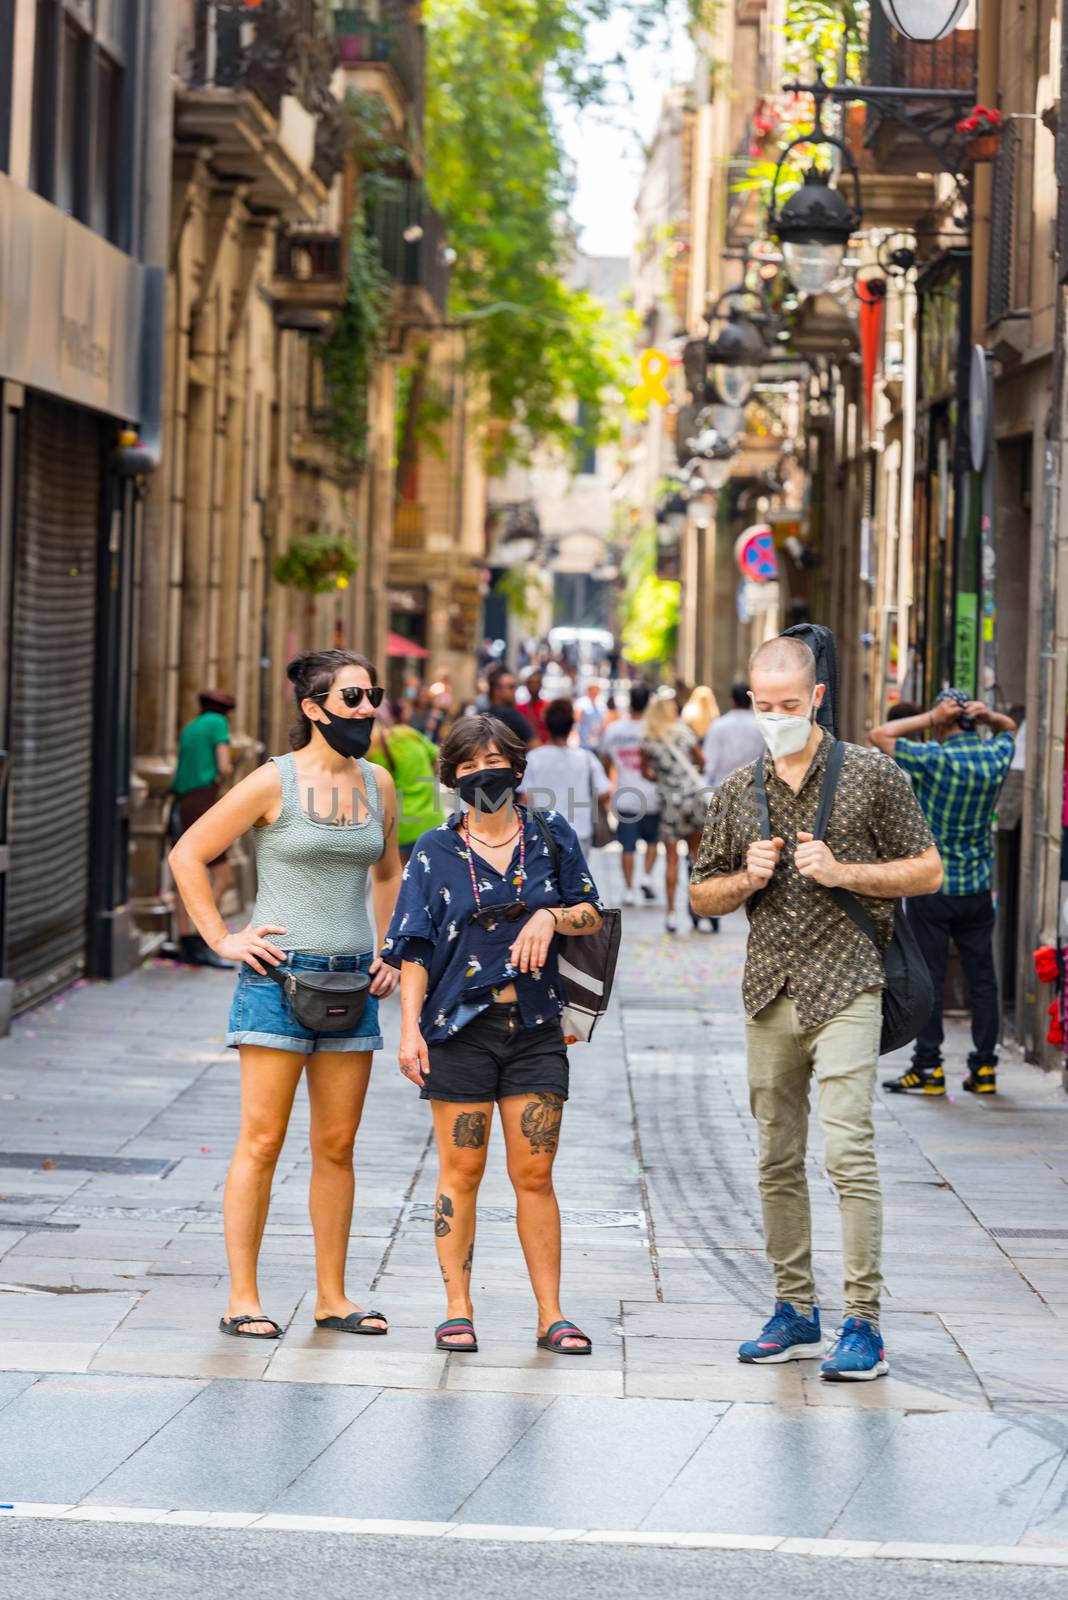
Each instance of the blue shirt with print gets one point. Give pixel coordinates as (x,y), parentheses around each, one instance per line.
(433,925)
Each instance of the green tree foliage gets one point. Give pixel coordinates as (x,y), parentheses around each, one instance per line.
(498,175)
(650,609)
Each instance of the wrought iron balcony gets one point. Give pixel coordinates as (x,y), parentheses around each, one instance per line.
(380,46)
(411,245)
(258,86)
(309,271)
(896,62)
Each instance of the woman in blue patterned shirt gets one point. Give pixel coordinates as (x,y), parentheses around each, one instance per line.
(484,903)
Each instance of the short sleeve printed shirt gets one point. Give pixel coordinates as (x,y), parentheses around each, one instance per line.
(799,939)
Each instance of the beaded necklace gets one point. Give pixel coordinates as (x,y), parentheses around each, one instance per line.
(520,877)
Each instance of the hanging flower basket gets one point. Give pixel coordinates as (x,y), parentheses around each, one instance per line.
(317,563)
(982,130)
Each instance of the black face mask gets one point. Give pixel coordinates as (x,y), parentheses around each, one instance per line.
(488,790)
(349,736)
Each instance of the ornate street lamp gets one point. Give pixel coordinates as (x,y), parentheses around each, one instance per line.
(671,518)
(735,356)
(816,223)
(925,20)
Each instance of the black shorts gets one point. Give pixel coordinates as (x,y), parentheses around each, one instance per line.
(495,1056)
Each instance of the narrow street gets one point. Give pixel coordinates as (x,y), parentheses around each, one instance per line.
(117,1108)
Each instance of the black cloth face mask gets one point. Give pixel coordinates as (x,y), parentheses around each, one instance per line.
(488,790)
(349,736)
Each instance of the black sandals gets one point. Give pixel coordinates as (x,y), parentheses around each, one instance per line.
(235,1327)
(353,1323)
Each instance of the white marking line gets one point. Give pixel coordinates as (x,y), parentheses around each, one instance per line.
(504,1533)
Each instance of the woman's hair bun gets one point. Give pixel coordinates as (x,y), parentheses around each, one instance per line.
(295,669)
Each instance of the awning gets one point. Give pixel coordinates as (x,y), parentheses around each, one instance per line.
(398,645)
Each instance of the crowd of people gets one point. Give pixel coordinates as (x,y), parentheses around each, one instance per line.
(367,886)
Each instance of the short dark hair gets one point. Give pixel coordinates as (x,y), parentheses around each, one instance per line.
(472,736)
(740,695)
(559,718)
(312,675)
(904,708)
(639,698)
(499,670)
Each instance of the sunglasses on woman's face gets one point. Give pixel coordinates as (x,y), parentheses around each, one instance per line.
(355,697)
(490,917)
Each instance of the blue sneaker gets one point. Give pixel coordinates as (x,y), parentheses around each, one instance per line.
(786,1337)
(857,1355)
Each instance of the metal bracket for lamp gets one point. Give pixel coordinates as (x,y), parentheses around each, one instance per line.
(892,102)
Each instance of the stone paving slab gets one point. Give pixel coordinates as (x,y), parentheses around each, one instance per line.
(663,1264)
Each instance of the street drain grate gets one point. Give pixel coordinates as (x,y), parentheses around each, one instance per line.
(24,1225)
(1030,1233)
(121,1166)
(574,1219)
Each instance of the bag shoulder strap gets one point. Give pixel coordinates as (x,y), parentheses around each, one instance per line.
(550,839)
(842,898)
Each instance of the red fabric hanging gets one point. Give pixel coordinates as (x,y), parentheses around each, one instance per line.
(871,292)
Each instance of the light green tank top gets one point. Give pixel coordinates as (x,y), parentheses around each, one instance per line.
(312,875)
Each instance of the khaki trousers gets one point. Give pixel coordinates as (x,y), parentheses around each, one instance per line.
(782,1057)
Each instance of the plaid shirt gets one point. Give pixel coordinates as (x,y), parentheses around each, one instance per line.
(957,784)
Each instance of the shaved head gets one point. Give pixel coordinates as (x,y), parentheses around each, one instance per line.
(783,657)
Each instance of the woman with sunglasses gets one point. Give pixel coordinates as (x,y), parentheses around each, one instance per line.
(324,821)
(475,934)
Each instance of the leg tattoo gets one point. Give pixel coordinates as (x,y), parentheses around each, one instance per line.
(469,1262)
(540,1123)
(469,1130)
(443,1211)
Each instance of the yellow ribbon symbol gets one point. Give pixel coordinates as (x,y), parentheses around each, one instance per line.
(654,368)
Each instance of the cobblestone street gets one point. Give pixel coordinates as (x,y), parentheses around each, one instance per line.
(117,1108)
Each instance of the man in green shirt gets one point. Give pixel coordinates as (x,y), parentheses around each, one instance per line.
(204,765)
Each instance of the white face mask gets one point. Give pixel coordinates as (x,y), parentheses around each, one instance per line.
(786,736)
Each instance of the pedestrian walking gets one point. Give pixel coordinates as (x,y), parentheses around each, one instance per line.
(566,778)
(734,740)
(700,712)
(957,776)
(535,704)
(501,689)
(812,989)
(590,710)
(324,821)
(635,798)
(204,766)
(671,759)
(475,935)
(412,762)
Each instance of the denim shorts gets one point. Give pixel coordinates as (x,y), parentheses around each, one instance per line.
(260,1012)
(629,830)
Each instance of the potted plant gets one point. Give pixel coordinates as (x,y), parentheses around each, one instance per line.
(982,130)
(353,30)
(316,563)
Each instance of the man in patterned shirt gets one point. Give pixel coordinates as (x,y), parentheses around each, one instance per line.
(957,777)
(812,989)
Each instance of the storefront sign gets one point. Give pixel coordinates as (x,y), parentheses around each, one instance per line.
(71,308)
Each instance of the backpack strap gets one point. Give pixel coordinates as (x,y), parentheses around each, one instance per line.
(760,794)
(842,898)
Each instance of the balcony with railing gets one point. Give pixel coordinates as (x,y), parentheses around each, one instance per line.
(383,52)
(309,272)
(900,63)
(411,247)
(256,85)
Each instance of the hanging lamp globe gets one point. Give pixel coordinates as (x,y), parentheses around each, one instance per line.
(735,357)
(814,228)
(925,21)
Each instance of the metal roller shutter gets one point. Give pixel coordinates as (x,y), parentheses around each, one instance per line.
(53,657)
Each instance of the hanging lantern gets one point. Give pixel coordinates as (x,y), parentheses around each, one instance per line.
(925,21)
(814,228)
(735,357)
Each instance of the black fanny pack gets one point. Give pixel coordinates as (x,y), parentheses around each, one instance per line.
(325,1002)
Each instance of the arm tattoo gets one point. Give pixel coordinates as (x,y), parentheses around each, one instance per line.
(577,917)
(442,1212)
(469,1130)
(540,1123)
